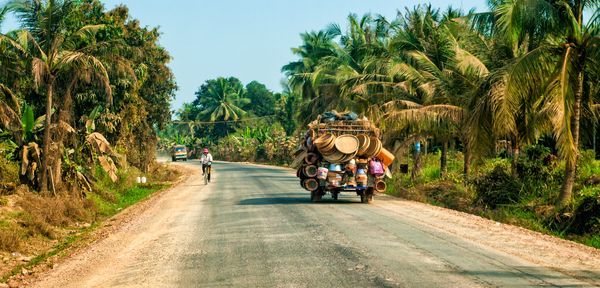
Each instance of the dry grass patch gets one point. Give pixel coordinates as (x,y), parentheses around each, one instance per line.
(10,238)
(42,213)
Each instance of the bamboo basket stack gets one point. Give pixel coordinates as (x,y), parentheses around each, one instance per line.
(331,143)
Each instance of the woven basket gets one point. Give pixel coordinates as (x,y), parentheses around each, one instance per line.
(310,184)
(347,144)
(363,145)
(386,156)
(334,158)
(374,148)
(325,143)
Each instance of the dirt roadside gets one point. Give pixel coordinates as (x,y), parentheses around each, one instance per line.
(104,230)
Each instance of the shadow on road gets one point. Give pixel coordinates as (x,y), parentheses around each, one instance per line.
(292,201)
(275,201)
(534,272)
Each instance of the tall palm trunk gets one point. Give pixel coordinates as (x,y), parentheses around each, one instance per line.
(571,165)
(467,163)
(516,154)
(444,159)
(64,115)
(46,155)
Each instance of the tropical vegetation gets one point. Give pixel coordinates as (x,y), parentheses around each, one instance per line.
(237,122)
(82,92)
(511,93)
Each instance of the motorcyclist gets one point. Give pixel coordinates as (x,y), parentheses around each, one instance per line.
(206,160)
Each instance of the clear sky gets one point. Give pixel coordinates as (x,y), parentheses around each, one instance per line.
(248,39)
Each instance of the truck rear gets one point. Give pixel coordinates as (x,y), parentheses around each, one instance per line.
(342,153)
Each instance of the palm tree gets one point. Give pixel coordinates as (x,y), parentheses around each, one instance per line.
(53,52)
(438,77)
(315,46)
(222,99)
(555,69)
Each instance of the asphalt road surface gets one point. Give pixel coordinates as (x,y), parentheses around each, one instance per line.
(253,226)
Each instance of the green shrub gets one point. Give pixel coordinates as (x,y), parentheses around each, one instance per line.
(588,167)
(448,194)
(537,163)
(586,217)
(497,188)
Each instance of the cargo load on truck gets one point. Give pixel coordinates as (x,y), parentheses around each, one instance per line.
(342,152)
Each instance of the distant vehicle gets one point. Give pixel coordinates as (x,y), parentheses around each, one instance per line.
(179,152)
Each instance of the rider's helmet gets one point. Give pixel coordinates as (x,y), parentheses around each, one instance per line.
(205,151)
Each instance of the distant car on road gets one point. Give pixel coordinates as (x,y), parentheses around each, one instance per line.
(179,152)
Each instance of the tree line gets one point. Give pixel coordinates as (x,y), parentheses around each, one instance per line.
(237,122)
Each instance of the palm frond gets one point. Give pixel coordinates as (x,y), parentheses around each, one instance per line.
(86,62)
(465,61)
(40,71)
(12,98)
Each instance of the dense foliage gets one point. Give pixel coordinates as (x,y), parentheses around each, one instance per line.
(80,87)
(522,73)
(511,93)
(238,123)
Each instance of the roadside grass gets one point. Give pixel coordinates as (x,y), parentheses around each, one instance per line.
(67,242)
(125,199)
(69,219)
(593,241)
(518,217)
(10,237)
(533,208)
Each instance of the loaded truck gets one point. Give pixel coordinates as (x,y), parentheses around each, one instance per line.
(341,152)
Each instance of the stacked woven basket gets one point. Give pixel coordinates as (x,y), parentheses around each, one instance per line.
(343,148)
(349,143)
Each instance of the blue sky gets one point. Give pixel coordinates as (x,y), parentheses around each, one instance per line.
(247,39)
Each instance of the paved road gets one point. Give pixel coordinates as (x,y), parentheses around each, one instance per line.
(255,227)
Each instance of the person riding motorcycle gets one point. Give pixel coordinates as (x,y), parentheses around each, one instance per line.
(206,160)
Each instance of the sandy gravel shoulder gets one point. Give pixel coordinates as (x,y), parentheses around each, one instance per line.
(568,257)
(86,248)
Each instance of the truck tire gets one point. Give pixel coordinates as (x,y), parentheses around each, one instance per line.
(316,195)
(369,195)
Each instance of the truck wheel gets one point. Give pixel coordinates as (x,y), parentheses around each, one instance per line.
(315,196)
(369,195)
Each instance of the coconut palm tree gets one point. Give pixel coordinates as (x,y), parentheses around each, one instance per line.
(222,99)
(555,69)
(315,46)
(53,50)
(438,77)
